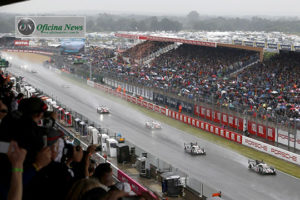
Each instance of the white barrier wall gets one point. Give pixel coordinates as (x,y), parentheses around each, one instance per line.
(272,150)
(90,83)
(29,51)
(283,138)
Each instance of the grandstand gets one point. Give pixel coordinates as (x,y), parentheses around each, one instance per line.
(269,97)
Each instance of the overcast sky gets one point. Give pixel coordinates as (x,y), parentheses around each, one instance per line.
(162,7)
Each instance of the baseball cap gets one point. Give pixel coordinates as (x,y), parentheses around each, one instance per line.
(53,135)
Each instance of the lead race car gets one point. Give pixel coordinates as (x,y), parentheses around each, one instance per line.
(194,149)
(65,86)
(261,167)
(103,110)
(153,124)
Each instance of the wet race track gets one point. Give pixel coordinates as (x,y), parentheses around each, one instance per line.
(222,169)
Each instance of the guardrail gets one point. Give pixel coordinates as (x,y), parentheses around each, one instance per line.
(30,51)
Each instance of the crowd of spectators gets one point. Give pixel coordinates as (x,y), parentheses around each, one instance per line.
(144,49)
(37,160)
(99,54)
(184,69)
(7,41)
(268,89)
(271,87)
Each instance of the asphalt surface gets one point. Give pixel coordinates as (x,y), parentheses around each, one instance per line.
(221,168)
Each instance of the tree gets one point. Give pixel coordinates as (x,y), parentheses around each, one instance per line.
(90,25)
(169,25)
(192,19)
(193,16)
(153,25)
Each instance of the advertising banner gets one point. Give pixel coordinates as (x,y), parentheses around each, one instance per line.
(288,139)
(272,150)
(21,42)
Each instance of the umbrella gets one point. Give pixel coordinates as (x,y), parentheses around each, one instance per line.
(262,96)
(264,105)
(280,97)
(274,92)
(214,76)
(282,107)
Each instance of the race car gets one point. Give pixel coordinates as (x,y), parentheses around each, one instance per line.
(153,125)
(103,110)
(65,86)
(261,167)
(194,149)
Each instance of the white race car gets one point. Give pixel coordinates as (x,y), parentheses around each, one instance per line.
(103,110)
(261,167)
(65,86)
(194,149)
(153,125)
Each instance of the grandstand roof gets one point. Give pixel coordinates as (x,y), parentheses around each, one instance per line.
(166,39)
(192,42)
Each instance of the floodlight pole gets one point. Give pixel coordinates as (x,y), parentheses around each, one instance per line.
(90,71)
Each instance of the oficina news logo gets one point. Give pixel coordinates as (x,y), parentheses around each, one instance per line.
(26,26)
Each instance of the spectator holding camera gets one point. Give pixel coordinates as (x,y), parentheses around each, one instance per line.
(22,127)
(53,177)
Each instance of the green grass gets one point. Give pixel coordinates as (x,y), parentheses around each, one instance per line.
(279,164)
